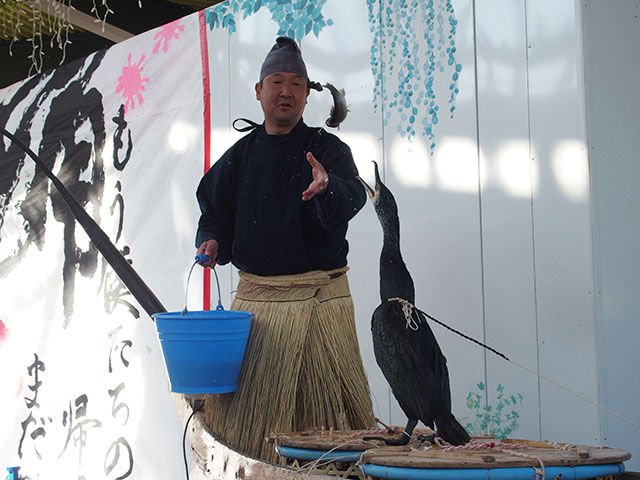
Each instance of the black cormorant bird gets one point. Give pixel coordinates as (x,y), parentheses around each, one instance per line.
(405,348)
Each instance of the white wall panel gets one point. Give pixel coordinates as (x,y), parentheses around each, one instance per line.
(218,42)
(507,180)
(445,236)
(562,229)
(612,63)
(436,192)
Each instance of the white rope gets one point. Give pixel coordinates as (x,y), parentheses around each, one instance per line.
(322,461)
(582,397)
(407,310)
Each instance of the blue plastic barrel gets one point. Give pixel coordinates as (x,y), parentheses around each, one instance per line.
(576,472)
(203,350)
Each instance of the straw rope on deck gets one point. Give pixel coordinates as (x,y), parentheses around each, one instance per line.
(302,366)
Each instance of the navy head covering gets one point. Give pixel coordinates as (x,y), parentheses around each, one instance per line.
(285,56)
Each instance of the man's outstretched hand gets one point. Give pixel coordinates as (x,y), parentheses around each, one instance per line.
(318,187)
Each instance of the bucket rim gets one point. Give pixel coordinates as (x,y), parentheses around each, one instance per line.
(201,312)
(208,314)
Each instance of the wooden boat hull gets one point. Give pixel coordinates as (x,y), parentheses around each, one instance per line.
(213,460)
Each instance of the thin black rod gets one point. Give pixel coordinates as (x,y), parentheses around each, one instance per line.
(487,347)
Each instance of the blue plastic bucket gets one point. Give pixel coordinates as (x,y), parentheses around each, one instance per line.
(203,350)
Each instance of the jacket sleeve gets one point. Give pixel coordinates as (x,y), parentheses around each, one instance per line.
(215,197)
(345,195)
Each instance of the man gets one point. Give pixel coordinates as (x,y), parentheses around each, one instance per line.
(277,205)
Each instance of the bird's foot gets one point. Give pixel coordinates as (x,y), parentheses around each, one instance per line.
(431,438)
(403,439)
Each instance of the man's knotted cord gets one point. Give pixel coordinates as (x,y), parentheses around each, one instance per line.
(411,312)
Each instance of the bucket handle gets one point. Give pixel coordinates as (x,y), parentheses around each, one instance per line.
(201,258)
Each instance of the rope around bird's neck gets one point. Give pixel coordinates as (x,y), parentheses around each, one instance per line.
(410,311)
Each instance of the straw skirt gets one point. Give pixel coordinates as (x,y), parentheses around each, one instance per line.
(302,366)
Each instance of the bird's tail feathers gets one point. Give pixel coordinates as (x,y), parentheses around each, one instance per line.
(451,430)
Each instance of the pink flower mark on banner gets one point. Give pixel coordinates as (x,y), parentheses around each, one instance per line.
(130,83)
(4,331)
(166,34)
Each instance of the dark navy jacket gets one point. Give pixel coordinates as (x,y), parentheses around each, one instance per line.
(251,203)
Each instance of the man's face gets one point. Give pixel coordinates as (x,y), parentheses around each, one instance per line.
(283,97)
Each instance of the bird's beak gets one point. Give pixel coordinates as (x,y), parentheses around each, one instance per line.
(375,166)
(370,191)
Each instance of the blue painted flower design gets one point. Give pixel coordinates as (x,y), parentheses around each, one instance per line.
(294,19)
(500,420)
(413,42)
